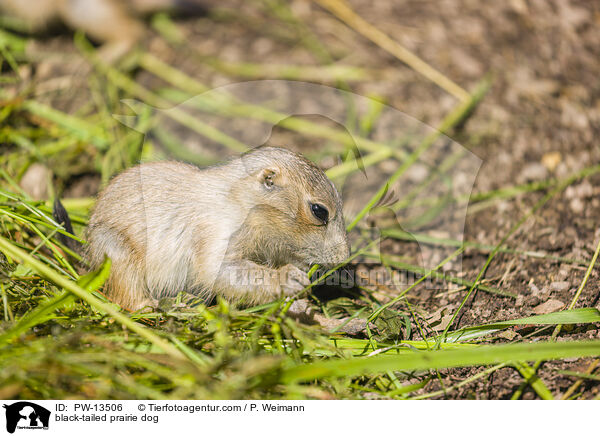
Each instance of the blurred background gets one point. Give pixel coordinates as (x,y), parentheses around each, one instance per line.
(538,119)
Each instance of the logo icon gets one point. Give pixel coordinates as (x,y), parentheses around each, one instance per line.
(26,415)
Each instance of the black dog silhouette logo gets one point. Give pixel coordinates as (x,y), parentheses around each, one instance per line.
(26,415)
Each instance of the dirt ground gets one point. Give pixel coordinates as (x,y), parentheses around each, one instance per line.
(540,120)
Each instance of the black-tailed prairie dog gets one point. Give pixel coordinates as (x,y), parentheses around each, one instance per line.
(247,230)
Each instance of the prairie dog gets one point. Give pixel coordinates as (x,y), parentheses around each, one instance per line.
(246,230)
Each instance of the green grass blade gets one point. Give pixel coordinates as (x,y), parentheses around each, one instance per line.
(484,355)
(534,381)
(574,316)
(14,252)
(44,312)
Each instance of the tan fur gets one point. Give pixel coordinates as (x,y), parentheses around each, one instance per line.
(171,227)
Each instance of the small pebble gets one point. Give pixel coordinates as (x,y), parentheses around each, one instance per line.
(35,181)
(548,307)
(551,160)
(560,286)
(534,171)
(582,190)
(576,205)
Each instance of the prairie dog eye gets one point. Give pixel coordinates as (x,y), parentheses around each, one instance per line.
(268,178)
(320,212)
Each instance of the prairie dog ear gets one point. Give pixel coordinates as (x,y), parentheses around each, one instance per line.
(270,177)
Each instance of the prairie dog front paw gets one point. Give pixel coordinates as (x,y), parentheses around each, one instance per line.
(259,284)
(292,280)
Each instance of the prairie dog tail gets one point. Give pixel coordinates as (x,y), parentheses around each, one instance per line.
(62,217)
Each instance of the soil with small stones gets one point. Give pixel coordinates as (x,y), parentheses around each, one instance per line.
(540,120)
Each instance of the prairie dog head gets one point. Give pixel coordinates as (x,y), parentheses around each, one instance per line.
(295,213)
